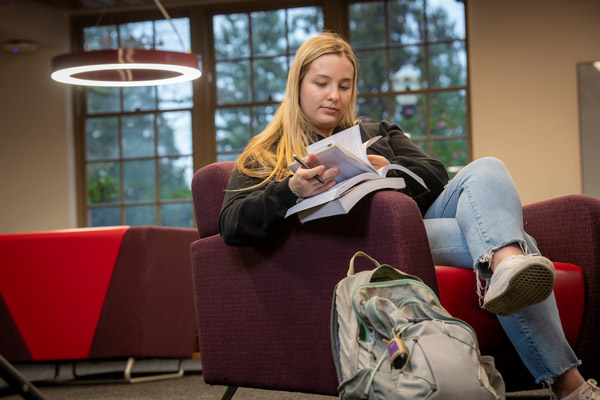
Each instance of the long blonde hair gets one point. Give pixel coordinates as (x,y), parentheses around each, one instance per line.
(268,154)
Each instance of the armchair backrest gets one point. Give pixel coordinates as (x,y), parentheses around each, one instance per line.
(208,190)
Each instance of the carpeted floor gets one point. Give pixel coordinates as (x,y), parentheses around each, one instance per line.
(104,380)
(189,387)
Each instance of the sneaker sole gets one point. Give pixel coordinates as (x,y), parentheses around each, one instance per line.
(533,284)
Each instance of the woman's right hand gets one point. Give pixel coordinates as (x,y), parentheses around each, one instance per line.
(304,183)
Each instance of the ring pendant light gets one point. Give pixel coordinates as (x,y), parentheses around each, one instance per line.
(126,67)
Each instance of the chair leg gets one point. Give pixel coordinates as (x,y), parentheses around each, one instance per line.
(17,382)
(228,395)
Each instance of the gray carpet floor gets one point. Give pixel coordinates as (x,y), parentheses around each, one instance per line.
(104,380)
(190,386)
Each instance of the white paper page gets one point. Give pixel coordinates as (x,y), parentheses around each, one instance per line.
(349,139)
(334,156)
(384,170)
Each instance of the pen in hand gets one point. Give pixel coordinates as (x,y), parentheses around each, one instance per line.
(303,165)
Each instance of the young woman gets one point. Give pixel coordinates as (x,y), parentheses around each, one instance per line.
(472,221)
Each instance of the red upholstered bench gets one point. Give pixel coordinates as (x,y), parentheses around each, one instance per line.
(97,293)
(456,296)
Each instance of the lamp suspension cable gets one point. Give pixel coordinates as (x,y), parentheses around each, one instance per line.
(168,18)
(125,67)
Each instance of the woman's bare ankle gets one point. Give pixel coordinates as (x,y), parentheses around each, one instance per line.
(566,383)
(513,249)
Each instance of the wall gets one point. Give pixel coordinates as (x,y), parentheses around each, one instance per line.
(522,54)
(37,190)
(523,71)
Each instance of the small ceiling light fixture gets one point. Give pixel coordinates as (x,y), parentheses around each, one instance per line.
(125,67)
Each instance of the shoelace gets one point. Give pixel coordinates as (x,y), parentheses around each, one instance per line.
(592,386)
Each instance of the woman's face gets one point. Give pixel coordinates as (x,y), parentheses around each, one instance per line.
(325,91)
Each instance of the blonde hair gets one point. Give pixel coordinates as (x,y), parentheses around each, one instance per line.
(268,154)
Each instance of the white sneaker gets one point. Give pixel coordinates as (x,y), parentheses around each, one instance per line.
(590,391)
(519,282)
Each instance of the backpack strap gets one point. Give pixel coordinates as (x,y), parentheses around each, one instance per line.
(361,254)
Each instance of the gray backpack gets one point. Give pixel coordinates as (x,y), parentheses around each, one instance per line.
(392,339)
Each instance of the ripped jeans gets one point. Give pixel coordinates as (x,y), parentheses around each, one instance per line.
(479,212)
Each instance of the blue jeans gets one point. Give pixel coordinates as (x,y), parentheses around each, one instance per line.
(479,212)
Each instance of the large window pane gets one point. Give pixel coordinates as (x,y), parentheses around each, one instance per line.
(175,96)
(452,153)
(448,113)
(138,135)
(139,181)
(367,24)
(102,100)
(233,82)
(168,39)
(102,138)
(448,64)
(142,98)
(137,35)
(175,176)
(372,77)
(414,69)
(373,108)
(174,133)
(104,216)
(262,115)
(177,215)
(268,33)
(231,36)
(100,37)
(446,19)
(270,77)
(303,23)
(253,52)
(406,21)
(228,156)
(138,140)
(140,215)
(409,111)
(407,68)
(233,129)
(103,182)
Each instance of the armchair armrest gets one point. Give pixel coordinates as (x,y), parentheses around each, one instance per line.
(263,312)
(567,229)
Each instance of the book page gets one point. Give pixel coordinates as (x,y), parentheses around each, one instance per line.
(348,164)
(331,194)
(384,170)
(349,139)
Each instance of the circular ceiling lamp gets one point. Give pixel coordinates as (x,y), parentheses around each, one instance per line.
(125,67)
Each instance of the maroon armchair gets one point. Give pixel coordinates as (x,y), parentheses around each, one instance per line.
(263,311)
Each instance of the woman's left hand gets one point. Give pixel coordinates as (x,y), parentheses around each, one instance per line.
(377,161)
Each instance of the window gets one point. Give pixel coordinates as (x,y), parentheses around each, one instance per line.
(138,140)
(136,145)
(253,52)
(413,71)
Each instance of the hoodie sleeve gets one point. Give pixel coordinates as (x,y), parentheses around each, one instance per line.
(399,149)
(250,215)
